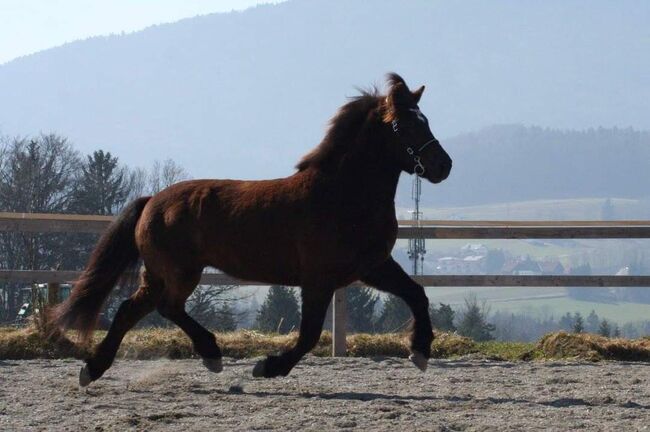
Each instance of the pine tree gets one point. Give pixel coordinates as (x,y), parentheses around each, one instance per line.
(604,329)
(395,315)
(578,323)
(473,323)
(361,309)
(225,318)
(102,188)
(567,322)
(617,331)
(442,318)
(592,322)
(279,312)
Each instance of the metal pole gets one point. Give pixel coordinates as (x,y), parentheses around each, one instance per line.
(339,318)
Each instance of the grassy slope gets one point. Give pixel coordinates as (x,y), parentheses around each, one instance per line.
(547,301)
(564,209)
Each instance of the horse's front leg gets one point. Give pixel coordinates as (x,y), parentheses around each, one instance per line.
(314,307)
(391,278)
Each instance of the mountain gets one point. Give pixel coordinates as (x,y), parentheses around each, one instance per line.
(245,94)
(515,163)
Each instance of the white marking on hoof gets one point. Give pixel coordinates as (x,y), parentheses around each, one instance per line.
(259,369)
(84,376)
(213,365)
(419,360)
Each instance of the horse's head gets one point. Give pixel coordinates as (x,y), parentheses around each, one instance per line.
(415,148)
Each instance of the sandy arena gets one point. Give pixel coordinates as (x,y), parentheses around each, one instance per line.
(327,394)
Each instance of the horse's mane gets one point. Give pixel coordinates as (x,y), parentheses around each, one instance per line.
(342,130)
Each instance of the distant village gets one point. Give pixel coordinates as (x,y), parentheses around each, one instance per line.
(478,259)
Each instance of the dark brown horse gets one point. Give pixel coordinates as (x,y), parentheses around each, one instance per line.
(329,224)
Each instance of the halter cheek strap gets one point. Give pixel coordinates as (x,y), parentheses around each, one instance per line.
(418,169)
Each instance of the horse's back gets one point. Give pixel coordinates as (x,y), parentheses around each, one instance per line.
(245,228)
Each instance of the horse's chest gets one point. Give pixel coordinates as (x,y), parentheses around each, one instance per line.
(375,238)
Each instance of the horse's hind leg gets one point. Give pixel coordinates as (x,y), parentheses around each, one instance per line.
(172,307)
(314,307)
(391,278)
(132,310)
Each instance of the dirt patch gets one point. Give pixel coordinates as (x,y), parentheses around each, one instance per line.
(327,394)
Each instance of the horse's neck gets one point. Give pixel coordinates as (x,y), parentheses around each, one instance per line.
(367,176)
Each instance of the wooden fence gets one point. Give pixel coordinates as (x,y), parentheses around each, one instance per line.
(429,229)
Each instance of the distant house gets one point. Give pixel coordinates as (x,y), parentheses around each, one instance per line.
(552,268)
(472,264)
(526,267)
(474,249)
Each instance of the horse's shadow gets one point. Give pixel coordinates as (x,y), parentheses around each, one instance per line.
(404,400)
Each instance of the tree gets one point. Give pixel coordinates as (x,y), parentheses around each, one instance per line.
(226,318)
(103,187)
(567,322)
(578,323)
(36,176)
(617,331)
(395,315)
(604,329)
(592,322)
(280,311)
(442,318)
(207,305)
(165,174)
(361,309)
(473,322)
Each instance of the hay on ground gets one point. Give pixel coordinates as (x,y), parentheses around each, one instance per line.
(593,347)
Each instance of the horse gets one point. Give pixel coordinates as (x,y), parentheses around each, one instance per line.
(329,224)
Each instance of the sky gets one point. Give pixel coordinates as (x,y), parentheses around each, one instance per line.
(28,26)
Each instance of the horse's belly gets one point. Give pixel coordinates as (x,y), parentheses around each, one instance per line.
(256,261)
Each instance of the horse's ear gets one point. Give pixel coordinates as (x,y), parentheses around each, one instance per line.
(398,95)
(418,94)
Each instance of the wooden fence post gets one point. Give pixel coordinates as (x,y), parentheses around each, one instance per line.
(52,293)
(339,318)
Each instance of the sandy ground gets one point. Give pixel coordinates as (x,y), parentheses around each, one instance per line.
(327,394)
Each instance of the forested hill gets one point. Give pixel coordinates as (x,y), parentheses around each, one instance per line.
(246,94)
(517,163)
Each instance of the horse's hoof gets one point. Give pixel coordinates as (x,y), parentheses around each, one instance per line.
(84,376)
(260,369)
(213,365)
(419,360)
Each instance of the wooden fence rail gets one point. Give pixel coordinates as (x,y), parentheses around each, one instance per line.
(429,229)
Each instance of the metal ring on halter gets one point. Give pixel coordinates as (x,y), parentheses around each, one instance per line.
(410,151)
(419,168)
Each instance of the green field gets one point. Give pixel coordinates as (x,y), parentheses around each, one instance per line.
(539,302)
(603,255)
(564,209)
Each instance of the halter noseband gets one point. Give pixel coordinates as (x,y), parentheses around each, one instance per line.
(418,169)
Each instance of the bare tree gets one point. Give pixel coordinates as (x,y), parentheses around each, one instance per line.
(164,174)
(36,176)
(209,305)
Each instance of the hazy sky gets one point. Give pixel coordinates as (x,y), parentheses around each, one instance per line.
(28,26)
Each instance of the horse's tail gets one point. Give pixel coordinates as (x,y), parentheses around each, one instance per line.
(115,252)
